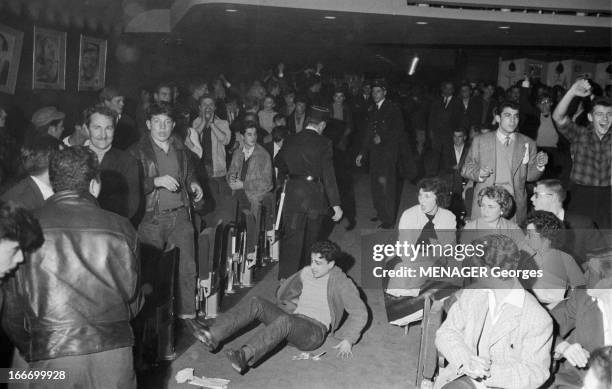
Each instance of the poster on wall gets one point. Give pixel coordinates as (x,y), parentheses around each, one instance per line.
(49,59)
(92,63)
(11,42)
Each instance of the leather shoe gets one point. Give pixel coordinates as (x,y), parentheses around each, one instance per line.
(202,333)
(238,360)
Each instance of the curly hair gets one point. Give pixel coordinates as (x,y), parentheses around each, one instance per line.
(35,153)
(546,224)
(73,169)
(600,363)
(326,249)
(499,251)
(500,195)
(18,224)
(101,110)
(438,188)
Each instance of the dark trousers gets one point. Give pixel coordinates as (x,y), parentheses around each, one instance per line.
(300,231)
(383,180)
(175,229)
(460,383)
(301,331)
(592,202)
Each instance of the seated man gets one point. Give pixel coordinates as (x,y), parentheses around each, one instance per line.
(599,375)
(499,336)
(313,313)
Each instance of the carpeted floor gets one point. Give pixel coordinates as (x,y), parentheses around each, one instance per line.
(384,358)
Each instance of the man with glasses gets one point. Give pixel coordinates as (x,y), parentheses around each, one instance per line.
(591,148)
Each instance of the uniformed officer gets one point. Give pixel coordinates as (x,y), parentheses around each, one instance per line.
(305,161)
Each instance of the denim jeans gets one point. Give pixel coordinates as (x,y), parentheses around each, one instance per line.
(175,229)
(301,331)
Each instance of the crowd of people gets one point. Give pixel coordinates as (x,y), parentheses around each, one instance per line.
(513,169)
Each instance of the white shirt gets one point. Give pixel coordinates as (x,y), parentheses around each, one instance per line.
(458,152)
(607,324)
(502,137)
(379,103)
(247,152)
(276,149)
(99,153)
(515,297)
(45,189)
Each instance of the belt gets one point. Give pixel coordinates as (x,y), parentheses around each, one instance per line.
(304,178)
(165,211)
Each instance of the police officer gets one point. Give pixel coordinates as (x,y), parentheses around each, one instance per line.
(384,128)
(305,161)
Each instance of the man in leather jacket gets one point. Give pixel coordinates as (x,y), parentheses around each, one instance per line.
(79,291)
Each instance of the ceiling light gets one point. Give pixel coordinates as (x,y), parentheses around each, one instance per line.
(329,17)
(231,10)
(579,30)
(422,23)
(504,27)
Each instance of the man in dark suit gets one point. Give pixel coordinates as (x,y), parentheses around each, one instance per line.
(298,119)
(444,115)
(453,157)
(385,125)
(305,160)
(32,191)
(471,107)
(583,236)
(120,191)
(126,132)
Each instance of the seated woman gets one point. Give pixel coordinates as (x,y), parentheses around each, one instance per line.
(250,178)
(428,222)
(498,336)
(582,323)
(560,270)
(495,205)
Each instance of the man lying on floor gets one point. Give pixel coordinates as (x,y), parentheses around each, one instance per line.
(310,303)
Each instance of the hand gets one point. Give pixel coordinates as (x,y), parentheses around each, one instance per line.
(337,213)
(581,88)
(358,160)
(576,355)
(319,67)
(167,182)
(236,184)
(541,159)
(197,191)
(478,368)
(344,349)
(526,83)
(484,173)
(377,139)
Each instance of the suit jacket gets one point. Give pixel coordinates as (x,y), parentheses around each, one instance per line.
(520,341)
(482,153)
(580,317)
(581,236)
(388,123)
(291,123)
(442,120)
(308,154)
(126,133)
(26,194)
(120,192)
(451,167)
(469,116)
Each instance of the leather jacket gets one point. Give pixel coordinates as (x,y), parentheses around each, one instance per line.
(77,294)
(144,154)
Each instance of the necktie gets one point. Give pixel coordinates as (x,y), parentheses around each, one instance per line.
(428,232)
(446,101)
(507,141)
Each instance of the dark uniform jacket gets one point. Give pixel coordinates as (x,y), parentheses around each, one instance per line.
(120,192)
(308,154)
(388,123)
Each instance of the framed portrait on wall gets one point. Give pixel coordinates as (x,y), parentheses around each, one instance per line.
(49,59)
(11,42)
(92,63)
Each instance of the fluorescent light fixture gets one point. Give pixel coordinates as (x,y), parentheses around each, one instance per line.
(231,10)
(413,65)
(579,30)
(504,27)
(422,23)
(329,17)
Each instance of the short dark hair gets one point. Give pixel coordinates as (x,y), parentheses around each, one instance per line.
(73,169)
(163,85)
(554,185)
(500,195)
(507,104)
(44,129)
(35,153)
(99,109)
(108,93)
(546,224)
(161,108)
(279,133)
(18,224)
(278,116)
(249,124)
(326,249)
(600,101)
(600,363)
(207,96)
(438,187)
(499,251)
(196,84)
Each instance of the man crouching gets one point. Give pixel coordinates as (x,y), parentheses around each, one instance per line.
(310,303)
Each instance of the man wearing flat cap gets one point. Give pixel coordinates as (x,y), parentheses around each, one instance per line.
(381,144)
(305,161)
(48,120)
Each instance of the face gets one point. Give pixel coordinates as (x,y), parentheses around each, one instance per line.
(339,98)
(268,104)
(101,131)
(514,94)
(458,138)
(280,122)
(56,131)
(465,92)
(289,98)
(533,237)
(448,90)
(200,91)
(10,256)
(116,104)
(90,63)
(508,120)
(378,94)
(250,137)
(366,89)
(488,91)
(2,118)
(427,201)
(300,108)
(164,94)
(319,265)
(161,127)
(207,107)
(490,210)
(544,105)
(601,117)
(543,199)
